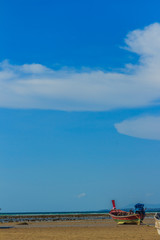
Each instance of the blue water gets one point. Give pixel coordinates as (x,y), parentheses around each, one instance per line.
(150,210)
(58,216)
(53,213)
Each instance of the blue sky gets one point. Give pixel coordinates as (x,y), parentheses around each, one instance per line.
(79,104)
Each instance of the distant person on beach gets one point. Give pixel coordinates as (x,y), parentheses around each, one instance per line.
(131,212)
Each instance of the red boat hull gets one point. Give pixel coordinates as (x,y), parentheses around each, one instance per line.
(134,219)
(122,217)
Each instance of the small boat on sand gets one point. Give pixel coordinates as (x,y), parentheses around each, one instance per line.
(157,222)
(122,217)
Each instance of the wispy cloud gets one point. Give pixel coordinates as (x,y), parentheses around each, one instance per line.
(36,86)
(81,195)
(146,127)
(149,194)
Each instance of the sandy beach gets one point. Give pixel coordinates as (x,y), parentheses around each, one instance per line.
(79,230)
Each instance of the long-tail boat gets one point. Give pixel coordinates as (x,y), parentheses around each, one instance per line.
(122,217)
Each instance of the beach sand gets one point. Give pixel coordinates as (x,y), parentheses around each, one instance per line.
(78,230)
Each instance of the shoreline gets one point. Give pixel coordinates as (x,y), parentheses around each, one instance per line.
(57,217)
(46,218)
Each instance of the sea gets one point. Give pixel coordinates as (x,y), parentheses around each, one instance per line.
(62,216)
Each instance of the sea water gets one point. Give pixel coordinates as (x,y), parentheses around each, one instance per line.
(61,216)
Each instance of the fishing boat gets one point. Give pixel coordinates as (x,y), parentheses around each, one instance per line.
(157,222)
(122,217)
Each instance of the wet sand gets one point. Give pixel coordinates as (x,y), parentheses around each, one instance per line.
(78,230)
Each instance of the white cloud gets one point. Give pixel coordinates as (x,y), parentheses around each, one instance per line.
(145,42)
(81,195)
(146,127)
(149,194)
(36,86)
